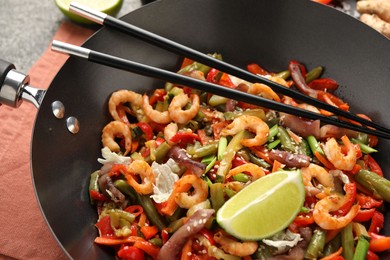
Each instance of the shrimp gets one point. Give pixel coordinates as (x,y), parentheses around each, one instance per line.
(154,115)
(325,220)
(180,196)
(116,129)
(120,97)
(319,173)
(251,123)
(264,91)
(143,169)
(234,247)
(179,115)
(255,171)
(169,131)
(199,194)
(337,158)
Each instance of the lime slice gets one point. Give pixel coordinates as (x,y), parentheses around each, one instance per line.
(110,7)
(264,207)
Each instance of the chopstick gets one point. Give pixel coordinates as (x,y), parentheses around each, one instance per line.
(112,22)
(146,70)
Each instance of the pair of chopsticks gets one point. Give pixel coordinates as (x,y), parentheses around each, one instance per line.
(142,69)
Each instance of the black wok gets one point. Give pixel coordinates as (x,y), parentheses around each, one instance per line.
(269,32)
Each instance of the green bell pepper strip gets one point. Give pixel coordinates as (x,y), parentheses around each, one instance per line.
(362,248)
(217,195)
(314,74)
(314,145)
(347,242)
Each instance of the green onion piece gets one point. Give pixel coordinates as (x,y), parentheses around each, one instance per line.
(216,100)
(362,248)
(283,74)
(365,148)
(285,139)
(273,131)
(314,145)
(273,144)
(210,164)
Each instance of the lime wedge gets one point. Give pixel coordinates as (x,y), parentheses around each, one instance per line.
(110,7)
(264,207)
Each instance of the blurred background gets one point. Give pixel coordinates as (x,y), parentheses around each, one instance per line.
(27,28)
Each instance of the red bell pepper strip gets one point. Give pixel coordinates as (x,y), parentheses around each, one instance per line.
(323,84)
(186,62)
(376,222)
(158,95)
(364,215)
(208,235)
(373,165)
(147,129)
(164,235)
(350,196)
(371,256)
(131,253)
(148,248)
(104,226)
(367,202)
(213,76)
(378,243)
(136,210)
(97,195)
(238,160)
(226,81)
(323,1)
(117,241)
(185,138)
(256,69)
(149,231)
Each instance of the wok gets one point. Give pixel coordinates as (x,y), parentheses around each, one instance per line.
(269,32)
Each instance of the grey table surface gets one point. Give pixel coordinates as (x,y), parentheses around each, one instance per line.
(28,26)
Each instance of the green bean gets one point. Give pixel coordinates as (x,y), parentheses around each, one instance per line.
(144,201)
(347,242)
(314,145)
(333,245)
(316,245)
(241,177)
(314,74)
(217,196)
(161,151)
(363,147)
(378,185)
(285,140)
(93,185)
(283,74)
(362,248)
(222,145)
(258,161)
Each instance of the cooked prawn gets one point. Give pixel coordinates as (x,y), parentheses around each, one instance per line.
(169,131)
(336,157)
(325,220)
(160,117)
(116,129)
(254,170)
(231,246)
(118,98)
(176,111)
(143,169)
(319,173)
(264,91)
(251,123)
(181,195)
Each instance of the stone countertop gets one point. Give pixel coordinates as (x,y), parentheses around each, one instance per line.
(27,28)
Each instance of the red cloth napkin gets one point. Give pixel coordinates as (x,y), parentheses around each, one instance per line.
(24,233)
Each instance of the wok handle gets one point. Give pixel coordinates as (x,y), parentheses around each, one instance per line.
(14,87)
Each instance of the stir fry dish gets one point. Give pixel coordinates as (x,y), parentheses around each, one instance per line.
(191,175)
